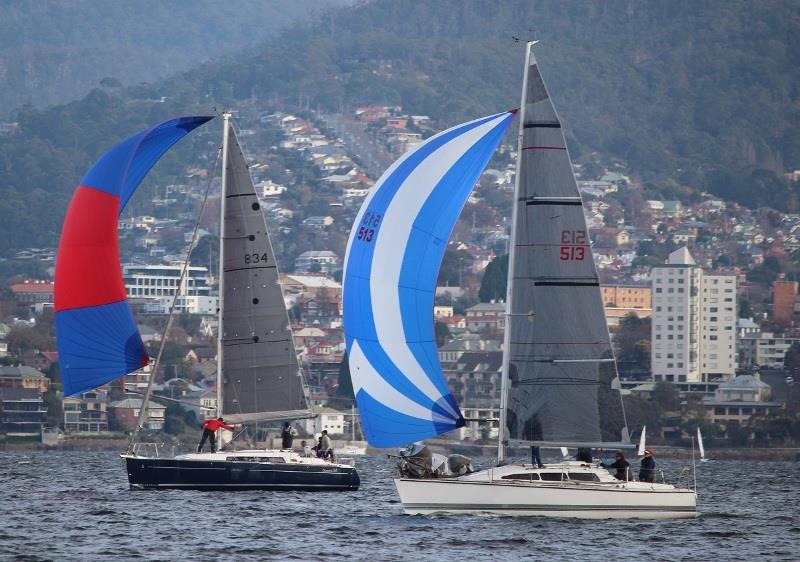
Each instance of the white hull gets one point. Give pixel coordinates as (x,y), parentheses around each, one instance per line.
(486,492)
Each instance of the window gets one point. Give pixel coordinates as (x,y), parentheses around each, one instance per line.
(583,476)
(658,289)
(552,476)
(528,476)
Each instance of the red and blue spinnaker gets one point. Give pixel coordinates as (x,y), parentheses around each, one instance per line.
(97,336)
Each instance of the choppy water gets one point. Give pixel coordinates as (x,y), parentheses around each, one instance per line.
(76,506)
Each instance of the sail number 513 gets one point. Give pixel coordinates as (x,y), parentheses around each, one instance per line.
(573,245)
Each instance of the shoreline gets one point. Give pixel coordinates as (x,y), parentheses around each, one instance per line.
(663,451)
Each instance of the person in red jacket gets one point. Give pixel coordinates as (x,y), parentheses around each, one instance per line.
(210,428)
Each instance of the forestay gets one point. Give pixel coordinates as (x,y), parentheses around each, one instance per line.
(562,383)
(261,378)
(393,257)
(97,337)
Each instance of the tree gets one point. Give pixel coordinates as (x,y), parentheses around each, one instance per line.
(443,334)
(791,361)
(345,387)
(666,395)
(494,280)
(745,310)
(174,416)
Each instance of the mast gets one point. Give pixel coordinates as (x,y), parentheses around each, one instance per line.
(510,276)
(226,116)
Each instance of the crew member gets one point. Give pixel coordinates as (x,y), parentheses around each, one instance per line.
(623,467)
(210,427)
(287,436)
(324,445)
(647,470)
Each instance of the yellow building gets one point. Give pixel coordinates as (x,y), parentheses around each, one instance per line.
(621,300)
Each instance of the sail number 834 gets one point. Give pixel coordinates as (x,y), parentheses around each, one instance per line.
(369,223)
(573,245)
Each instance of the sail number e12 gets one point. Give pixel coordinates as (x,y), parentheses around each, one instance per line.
(573,245)
(368,225)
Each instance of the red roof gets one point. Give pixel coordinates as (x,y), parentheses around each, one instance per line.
(51,356)
(29,287)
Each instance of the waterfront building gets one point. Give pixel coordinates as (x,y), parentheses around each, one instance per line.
(153,287)
(694,322)
(126,413)
(86,413)
(740,399)
(22,376)
(23,412)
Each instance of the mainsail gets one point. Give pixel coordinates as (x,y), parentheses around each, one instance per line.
(393,257)
(97,337)
(562,382)
(261,378)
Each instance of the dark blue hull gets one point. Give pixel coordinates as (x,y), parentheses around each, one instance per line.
(154,473)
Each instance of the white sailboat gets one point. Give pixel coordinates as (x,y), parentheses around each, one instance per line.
(700,446)
(642,439)
(560,384)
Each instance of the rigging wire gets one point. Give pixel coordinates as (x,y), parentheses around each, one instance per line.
(143,411)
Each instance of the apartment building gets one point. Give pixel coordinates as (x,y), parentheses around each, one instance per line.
(694,322)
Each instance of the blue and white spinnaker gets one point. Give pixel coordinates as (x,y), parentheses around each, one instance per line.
(393,257)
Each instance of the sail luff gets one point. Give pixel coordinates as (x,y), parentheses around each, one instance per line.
(226,116)
(501,432)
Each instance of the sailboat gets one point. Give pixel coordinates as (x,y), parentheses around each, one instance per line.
(700,446)
(258,376)
(560,386)
(642,442)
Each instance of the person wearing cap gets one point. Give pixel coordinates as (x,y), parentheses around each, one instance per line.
(647,470)
(623,467)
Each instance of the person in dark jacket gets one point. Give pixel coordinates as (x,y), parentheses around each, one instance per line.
(287,436)
(584,455)
(210,428)
(647,470)
(623,467)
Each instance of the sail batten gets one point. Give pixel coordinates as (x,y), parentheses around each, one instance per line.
(562,383)
(393,257)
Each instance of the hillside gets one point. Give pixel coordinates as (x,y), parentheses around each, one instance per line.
(691,95)
(54,52)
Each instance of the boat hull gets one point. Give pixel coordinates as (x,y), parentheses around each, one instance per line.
(160,473)
(584,501)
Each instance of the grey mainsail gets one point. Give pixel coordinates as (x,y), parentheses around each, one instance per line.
(562,385)
(260,375)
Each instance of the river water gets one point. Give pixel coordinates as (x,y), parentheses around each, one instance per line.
(77,506)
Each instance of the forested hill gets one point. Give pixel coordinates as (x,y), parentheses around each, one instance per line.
(54,52)
(692,95)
